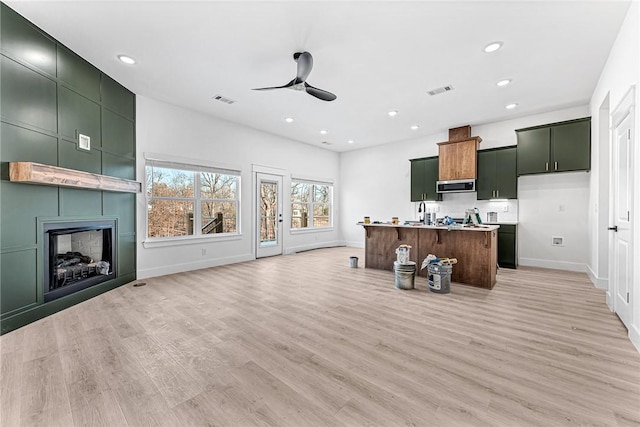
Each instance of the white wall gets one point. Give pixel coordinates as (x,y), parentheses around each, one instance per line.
(621,72)
(376,182)
(174,131)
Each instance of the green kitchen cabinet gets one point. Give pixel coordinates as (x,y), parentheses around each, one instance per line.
(497,178)
(507,246)
(424,175)
(555,147)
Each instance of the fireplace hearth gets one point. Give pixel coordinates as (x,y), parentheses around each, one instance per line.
(78,254)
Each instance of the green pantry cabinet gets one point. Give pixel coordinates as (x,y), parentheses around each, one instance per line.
(424,175)
(507,246)
(497,178)
(555,147)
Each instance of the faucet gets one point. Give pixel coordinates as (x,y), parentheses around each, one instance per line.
(422,209)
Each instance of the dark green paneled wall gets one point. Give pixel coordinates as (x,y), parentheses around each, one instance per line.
(50,95)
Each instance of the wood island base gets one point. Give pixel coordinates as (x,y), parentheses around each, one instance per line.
(475,248)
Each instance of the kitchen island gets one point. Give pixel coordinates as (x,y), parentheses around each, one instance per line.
(476,249)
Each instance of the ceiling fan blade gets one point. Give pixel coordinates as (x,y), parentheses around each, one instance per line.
(319,93)
(305,64)
(291,83)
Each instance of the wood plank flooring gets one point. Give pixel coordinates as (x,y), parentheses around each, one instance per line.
(304,340)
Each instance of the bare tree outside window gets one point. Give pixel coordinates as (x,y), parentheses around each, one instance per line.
(310,205)
(172,200)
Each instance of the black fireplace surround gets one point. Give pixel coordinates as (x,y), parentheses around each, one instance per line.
(77,255)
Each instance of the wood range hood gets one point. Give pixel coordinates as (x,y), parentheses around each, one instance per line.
(457,157)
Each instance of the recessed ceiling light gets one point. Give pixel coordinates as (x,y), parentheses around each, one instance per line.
(492,47)
(393,113)
(288,119)
(415,127)
(323,132)
(351,141)
(503,82)
(511,106)
(126,59)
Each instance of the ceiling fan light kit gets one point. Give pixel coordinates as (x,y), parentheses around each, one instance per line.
(305,64)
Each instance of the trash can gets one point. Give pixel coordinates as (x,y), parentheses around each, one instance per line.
(353,262)
(405,275)
(439,278)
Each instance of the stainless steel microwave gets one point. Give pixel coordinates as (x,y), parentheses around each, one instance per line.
(456,186)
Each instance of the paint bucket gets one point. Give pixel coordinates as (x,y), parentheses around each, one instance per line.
(405,275)
(439,278)
(353,262)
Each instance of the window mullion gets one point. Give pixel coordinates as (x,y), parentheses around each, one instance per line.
(197,209)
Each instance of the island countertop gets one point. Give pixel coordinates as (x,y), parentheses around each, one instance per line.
(475,248)
(482,227)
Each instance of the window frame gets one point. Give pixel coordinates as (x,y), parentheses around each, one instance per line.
(197,200)
(310,206)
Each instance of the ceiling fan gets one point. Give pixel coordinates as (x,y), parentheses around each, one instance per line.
(305,64)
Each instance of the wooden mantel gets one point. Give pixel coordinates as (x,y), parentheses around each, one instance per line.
(38,173)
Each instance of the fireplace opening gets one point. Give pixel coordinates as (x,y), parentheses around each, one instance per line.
(78,255)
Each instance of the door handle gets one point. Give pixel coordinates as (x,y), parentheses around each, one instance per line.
(614,228)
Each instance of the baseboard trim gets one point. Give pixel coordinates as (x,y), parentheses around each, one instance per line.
(634,337)
(556,265)
(598,282)
(189,266)
(355,244)
(319,245)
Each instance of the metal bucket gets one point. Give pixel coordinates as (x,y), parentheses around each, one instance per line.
(439,277)
(405,275)
(353,262)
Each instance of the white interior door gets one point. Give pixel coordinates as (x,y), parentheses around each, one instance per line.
(622,274)
(268,215)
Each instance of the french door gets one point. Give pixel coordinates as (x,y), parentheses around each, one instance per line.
(268,215)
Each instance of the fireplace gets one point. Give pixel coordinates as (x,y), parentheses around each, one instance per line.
(78,254)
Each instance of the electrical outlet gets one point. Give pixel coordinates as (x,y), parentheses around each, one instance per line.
(204,251)
(505,208)
(557,241)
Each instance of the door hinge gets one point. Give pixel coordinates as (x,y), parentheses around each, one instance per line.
(628,134)
(627,297)
(628,216)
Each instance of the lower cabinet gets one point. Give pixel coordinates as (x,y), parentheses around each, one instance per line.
(507,246)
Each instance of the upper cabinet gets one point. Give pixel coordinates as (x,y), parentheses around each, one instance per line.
(424,174)
(497,177)
(555,147)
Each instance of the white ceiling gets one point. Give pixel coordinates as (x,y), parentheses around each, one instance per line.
(375,56)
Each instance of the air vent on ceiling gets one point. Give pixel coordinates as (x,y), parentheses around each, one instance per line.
(440,90)
(223,99)
(327,143)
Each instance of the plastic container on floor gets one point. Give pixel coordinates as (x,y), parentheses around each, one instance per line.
(439,278)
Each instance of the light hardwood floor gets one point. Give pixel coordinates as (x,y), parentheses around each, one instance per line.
(304,340)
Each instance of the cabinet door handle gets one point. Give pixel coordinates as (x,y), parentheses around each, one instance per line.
(546,166)
(497,193)
(555,166)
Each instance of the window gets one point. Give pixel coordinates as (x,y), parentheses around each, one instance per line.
(310,205)
(190,200)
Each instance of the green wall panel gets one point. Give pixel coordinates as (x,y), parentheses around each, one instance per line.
(126,254)
(118,134)
(80,202)
(122,167)
(78,73)
(117,98)
(78,114)
(21,204)
(24,145)
(22,40)
(123,206)
(18,286)
(73,158)
(27,97)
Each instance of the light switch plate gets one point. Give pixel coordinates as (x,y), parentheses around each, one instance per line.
(84,142)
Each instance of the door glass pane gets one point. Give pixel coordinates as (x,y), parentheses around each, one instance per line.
(268,213)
